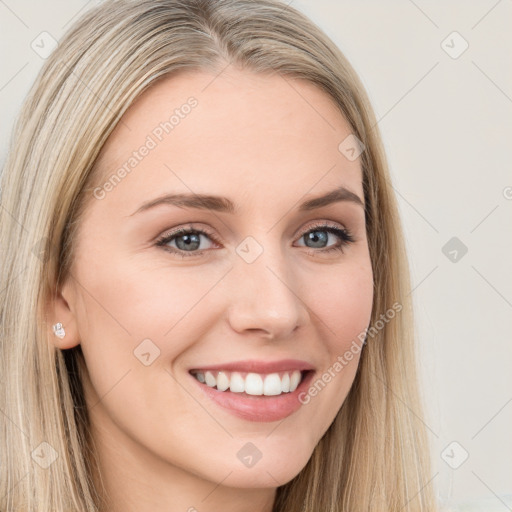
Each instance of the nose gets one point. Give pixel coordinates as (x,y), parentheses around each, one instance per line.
(263,299)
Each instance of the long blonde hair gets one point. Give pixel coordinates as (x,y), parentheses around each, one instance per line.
(374,456)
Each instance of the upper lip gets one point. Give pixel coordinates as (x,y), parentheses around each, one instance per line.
(258,366)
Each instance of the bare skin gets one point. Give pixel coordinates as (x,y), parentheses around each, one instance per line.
(163,445)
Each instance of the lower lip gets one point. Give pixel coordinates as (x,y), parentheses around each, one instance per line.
(258,407)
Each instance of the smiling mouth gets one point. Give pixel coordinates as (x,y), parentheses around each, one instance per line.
(250,383)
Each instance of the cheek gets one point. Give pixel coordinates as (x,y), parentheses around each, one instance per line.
(134,323)
(131,303)
(343,303)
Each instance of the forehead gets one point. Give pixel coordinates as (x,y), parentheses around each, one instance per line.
(256,135)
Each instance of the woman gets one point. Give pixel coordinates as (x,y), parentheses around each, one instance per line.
(205,297)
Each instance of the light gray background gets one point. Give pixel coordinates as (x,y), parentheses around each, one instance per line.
(447,126)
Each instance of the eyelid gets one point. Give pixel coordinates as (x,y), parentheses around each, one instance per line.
(185,228)
(193,226)
(319,224)
(336,228)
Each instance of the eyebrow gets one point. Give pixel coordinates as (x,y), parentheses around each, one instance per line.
(225,205)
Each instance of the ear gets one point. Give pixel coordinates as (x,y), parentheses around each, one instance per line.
(59,311)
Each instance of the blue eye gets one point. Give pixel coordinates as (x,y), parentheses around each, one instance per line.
(317,235)
(187,240)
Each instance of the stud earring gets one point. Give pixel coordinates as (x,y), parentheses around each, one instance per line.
(59,330)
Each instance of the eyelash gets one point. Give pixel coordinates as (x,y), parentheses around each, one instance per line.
(344,234)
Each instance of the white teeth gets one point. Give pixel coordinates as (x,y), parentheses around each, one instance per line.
(210,379)
(294,380)
(285,383)
(237,384)
(222,381)
(272,384)
(253,383)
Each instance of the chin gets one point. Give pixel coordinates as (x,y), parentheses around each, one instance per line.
(263,477)
(273,469)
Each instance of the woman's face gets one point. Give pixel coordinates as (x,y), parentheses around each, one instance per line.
(264,284)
